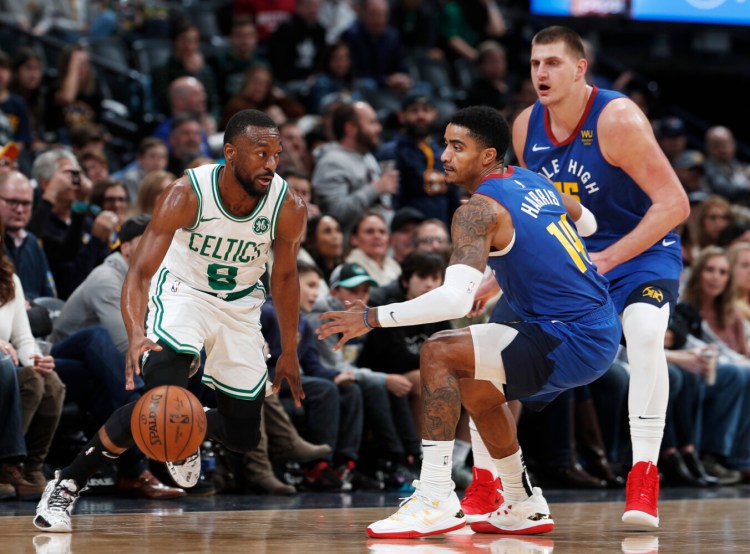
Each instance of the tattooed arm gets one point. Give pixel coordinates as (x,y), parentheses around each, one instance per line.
(476,225)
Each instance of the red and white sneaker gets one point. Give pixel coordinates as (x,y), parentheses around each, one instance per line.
(483,497)
(642,496)
(528,517)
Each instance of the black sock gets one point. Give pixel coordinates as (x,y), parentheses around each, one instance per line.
(92,459)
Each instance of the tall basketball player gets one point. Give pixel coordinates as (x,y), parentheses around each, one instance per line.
(598,146)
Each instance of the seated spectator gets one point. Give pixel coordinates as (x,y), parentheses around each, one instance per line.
(369,242)
(333,411)
(334,78)
(725,173)
(377,54)
(416,153)
(713,215)
(324,243)
(153,184)
(403,232)
(96,301)
(416,23)
(432,236)
(690,171)
(463,25)
(75,237)
(347,179)
(299,182)
(95,165)
(112,196)
(187,95)
(185,59)
(385,395)
(491,86)
(185,139)
(41,392)
(231,65)
(739,259)
(295,47)
(704,393)
(671,133)
(151,155)
(295,155)
(28,83)
(258,92)
(22,246)
(708,292)
(77,94)
(12,446)
(15,120)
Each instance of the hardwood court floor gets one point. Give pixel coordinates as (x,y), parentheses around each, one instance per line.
(711,522)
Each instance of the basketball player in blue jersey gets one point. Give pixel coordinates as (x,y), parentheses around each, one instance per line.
(206,249)
(568,335)
(598,146)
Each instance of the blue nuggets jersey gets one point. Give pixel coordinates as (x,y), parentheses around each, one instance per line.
(547,273)
(577,167)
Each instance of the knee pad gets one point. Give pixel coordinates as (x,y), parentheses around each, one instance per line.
(118,426)
(166,367)
(235,423)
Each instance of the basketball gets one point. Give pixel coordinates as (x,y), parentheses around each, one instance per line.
(168,423)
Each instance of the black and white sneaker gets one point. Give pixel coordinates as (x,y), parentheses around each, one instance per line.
(186,473)
(53,510)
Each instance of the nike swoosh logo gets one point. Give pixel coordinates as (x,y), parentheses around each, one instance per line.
(393,318)
(654,417)
(204,219)
(537,148)
(666,242)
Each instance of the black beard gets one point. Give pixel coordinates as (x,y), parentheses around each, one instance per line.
(418,132)
(248,185)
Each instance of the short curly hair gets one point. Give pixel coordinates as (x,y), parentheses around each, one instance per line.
(486,125)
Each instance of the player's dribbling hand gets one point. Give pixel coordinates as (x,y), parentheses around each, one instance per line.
(287,367)
(136,350)
(349,324)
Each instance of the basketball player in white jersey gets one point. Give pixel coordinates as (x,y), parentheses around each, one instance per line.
(198,270)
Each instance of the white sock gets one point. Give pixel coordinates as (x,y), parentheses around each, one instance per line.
(437,462)
(512,472)
(482,457)
(646,436)
(461,450)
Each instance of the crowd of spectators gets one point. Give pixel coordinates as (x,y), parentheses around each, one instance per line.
(360,91)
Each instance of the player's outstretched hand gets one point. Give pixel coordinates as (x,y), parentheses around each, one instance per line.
(349,324)
(287,367)
(136,350)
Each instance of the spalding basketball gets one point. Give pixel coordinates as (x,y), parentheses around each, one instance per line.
(168,423)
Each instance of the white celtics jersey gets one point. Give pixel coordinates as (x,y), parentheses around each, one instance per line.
(221,253)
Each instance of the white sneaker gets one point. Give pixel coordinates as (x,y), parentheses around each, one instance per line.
(528,517)
(52,544)
(53,510)
(186,473)
(420,516)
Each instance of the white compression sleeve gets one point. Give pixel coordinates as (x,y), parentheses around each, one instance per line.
(453,299)
(586,224)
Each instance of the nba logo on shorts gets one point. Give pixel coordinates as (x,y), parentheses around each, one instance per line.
(175,286)
(446,460)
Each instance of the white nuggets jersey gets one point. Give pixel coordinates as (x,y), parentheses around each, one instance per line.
(223,254)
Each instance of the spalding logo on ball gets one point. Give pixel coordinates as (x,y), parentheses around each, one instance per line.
(168,423)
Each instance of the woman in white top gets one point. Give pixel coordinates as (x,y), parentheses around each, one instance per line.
(41,393)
